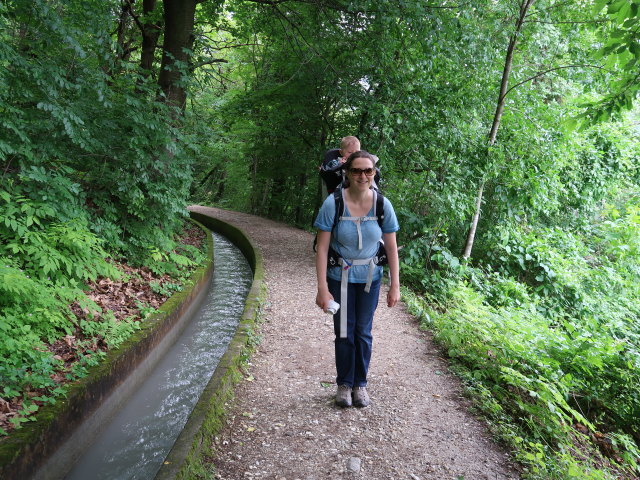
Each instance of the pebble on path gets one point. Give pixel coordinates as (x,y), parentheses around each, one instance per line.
(353,464)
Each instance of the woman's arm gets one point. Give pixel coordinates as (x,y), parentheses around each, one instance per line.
(322,249)
(391,247)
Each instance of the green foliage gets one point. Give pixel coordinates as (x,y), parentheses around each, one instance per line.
(619,233)
(619,52)
(77,130)
(25,360)
(45,259)
(177,262)
(106,327)
(531,374)
(548,328)
(49,248)
(407,94)
(91,167)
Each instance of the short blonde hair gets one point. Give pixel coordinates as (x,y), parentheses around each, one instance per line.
(349,141)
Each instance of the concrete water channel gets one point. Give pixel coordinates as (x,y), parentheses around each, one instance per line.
(155,413)
(138,438)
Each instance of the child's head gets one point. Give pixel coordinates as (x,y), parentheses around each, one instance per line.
(349,145)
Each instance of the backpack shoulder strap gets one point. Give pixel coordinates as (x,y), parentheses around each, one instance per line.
(379,207)
(339,200)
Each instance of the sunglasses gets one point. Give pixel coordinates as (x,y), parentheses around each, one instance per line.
(357,171)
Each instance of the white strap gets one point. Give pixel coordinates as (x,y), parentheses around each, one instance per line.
(344,287)
(358,221)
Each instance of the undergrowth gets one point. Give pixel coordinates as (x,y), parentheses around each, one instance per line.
(545,332)
(49,261)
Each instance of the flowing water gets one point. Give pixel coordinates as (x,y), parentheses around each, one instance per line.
(138,438)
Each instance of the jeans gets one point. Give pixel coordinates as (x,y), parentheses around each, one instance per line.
(354,352)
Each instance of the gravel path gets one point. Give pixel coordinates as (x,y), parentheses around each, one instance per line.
(283,423)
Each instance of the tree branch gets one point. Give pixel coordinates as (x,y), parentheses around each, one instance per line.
(311,47)
(555,5)
(218,46)
(210,62)
(440,7)
(135,17)
(337,6)
(540,74)
(272,3)
(513,40)
(570,22)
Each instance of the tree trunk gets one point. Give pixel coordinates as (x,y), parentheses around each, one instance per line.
(150,34)
(493,133)
(178,42)
(474,223)
(122,28)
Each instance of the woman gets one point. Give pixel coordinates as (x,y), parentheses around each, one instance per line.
(355,283)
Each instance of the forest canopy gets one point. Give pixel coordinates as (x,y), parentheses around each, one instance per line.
(507,134)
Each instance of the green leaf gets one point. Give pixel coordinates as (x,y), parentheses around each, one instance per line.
(615,6)
(598,5)
(570,123)
(624,12)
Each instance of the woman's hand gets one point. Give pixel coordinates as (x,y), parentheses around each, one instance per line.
(322,248)
(322,299)
(393,296)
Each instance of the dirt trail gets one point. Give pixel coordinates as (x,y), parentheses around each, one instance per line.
(283,423)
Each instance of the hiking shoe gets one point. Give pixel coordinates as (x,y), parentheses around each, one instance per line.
(360,397)
(343,396)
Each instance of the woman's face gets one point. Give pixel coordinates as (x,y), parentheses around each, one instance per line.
(359,172)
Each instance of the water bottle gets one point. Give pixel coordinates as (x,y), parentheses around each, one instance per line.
(333,307)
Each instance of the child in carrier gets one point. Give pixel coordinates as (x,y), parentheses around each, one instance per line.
(334,159)
(332,168)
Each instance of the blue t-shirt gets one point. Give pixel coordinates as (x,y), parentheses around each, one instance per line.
(345,238)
